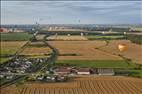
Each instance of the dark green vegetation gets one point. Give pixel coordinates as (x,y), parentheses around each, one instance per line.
(97,63)
(135,38)
(108,37)
(15,36)
(132,72)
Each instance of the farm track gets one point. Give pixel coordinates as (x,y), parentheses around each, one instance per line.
(87,85)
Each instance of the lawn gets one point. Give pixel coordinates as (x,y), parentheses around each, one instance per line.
(97,63)
(91,37)
(15,36)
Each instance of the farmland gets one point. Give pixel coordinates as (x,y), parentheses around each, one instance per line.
(83,50)
(95,37)
(97,63)
(10,47)
(15,36)
(36,49)
(40,36)
(133,52)
(65,38)
(83,85)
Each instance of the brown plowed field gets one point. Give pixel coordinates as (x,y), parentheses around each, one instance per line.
(133,52)
(84,85)
(84,50)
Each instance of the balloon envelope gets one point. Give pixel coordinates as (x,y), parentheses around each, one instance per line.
(122,47)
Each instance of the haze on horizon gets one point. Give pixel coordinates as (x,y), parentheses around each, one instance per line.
(71,12)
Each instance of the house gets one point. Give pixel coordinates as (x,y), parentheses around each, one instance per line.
(1,76)
(40,77)
(105,71)
(9,77)
(62,71)
(4,30)
(83,71)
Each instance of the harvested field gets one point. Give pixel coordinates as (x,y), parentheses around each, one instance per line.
(59,37)
(133,51)
(83,50)
(84,85)
(10,47)
(36,51)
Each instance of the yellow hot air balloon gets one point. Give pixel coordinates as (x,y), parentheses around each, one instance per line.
(122,47)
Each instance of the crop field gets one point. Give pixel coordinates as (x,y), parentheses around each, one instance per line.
(40,36)
(3,59)
(133,51)
(37,49)
(93,37)
(82,50)
(14,36)
(96,63)
(83,85)
(63,37)
(10,47)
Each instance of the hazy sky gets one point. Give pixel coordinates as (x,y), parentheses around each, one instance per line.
(71,12)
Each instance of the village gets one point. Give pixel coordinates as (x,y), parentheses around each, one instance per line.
(22,66)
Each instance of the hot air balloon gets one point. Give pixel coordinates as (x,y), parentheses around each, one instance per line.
(122,47)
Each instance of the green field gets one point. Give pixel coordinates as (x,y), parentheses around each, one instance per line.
(15,36)
(132,72)
(97,63)
(135,73)
(94,37)
(2,60)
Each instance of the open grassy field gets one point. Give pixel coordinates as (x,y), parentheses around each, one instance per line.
(82,85)
(15,36)
(133,51)
(97,63)
(10,47)
(63,37)
(82,50)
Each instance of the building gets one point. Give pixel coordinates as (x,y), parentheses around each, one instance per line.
(4,30)
(83,71)
(105,71)
(63,71)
